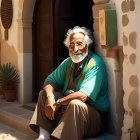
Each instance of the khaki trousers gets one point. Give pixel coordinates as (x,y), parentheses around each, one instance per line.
(78,122)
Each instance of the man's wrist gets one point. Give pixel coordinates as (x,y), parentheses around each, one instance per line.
(58,102)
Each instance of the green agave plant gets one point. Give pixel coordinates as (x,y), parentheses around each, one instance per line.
(9,77)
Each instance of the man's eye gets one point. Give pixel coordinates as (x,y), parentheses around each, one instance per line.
(72,44)
(79,43)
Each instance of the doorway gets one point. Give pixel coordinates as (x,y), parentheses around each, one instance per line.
(51,20)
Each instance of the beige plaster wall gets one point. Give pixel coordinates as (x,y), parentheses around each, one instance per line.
(9,52)
(9,48)
(18,48)
(0,41)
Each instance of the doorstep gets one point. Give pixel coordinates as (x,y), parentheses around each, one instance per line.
(17,115)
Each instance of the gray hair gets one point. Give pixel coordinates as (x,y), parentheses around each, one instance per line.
(77,29)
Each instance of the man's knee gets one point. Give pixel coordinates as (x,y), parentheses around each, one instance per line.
(77,102)
(41,94)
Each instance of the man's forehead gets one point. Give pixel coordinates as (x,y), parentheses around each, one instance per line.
(77,36)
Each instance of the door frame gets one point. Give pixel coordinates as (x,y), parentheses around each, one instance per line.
(24,23)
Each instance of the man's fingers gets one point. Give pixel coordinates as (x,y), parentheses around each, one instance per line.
(49,112)
(53,115)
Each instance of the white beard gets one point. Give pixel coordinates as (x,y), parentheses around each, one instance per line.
(78,56)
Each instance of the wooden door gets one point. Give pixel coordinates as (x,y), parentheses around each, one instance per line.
(42,44)
(67,14)
(52,18)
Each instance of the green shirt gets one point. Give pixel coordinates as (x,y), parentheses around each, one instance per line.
(92,80)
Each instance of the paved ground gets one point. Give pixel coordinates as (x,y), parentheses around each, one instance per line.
(14,118)
(9,133)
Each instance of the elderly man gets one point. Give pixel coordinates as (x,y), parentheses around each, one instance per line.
(74,102)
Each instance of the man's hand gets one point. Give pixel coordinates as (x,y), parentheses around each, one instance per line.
(50,107)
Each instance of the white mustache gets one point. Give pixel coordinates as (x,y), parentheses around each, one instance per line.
(78,56)
(77,53)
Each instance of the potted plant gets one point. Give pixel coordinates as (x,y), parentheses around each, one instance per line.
(9,80)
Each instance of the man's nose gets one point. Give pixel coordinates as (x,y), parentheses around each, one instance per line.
(75,48)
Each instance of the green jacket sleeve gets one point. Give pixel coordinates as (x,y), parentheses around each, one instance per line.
(57,77)
(91,84)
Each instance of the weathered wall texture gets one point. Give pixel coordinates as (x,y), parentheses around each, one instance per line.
(128,38)
(131,126)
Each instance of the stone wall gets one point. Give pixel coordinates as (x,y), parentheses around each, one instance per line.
(131,125)
(113,57)
(128,37)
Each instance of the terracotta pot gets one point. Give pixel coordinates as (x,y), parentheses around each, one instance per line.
(10,95)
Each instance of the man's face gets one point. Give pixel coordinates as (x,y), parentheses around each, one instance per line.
(78,49)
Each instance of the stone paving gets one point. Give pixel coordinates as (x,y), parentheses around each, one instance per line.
(10,133)
(14,120)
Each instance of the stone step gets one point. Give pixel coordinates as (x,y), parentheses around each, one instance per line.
(16,116)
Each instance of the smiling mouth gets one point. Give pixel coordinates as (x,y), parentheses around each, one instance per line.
(77,54)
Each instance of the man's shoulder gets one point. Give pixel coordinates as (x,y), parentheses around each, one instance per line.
(96,60)
(66,61)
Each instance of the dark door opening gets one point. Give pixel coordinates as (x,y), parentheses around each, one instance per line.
(51,20)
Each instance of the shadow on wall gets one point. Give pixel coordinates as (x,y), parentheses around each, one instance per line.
(0,42)
(133,104)
(114,59)
(137,121)
(8,53)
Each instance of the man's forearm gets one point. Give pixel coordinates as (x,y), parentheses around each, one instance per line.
(76,95)
(48,89)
